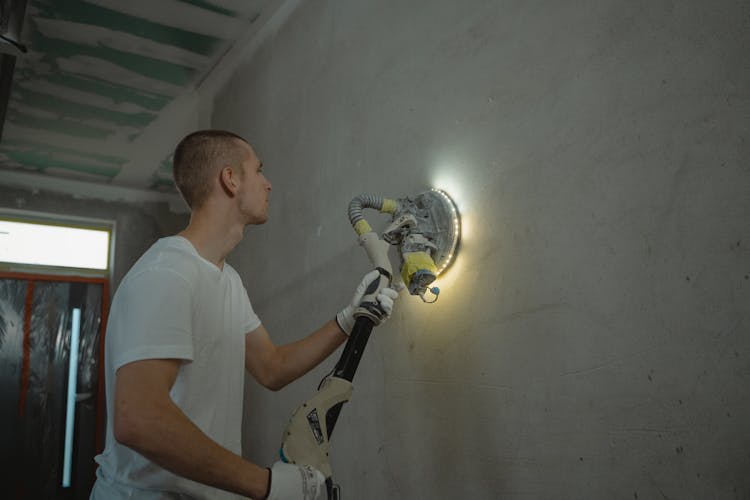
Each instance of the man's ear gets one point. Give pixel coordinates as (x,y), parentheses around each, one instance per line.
(229,180)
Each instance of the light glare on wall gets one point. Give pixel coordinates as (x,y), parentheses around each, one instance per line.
(50,245)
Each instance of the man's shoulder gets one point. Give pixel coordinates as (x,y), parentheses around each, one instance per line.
(166,257)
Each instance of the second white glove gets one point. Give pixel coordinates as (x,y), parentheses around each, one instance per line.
(296,482)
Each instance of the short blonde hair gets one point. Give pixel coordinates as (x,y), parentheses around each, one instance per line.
(198,157)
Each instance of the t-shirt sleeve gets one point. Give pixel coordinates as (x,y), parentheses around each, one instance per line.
(251,320)
(151,318)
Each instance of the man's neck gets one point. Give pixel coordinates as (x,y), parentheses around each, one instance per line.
(213,236)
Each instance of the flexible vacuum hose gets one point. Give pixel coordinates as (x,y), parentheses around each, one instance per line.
(359,203)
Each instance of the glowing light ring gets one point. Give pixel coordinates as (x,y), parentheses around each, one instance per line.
(456,236)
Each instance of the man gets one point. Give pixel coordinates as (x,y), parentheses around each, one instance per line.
(181,332)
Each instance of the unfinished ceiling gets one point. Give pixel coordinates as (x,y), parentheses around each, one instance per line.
(100,76)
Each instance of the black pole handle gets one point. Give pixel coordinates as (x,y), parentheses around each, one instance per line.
(347,364)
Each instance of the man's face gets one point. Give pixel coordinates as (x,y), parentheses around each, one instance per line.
(255,189)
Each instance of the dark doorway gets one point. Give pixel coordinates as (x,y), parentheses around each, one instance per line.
(36,331)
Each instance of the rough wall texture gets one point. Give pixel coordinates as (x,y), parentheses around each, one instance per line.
(592,340)
(137,227)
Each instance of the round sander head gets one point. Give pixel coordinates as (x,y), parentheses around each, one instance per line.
(447,236)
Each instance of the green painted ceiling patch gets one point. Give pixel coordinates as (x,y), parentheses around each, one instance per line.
(25,145)
(70,109)
(44,161)
(161,179)
(156,69)
(165,166)
(162,184)
(63,126)
(89,13)
(118,93)
(209,6)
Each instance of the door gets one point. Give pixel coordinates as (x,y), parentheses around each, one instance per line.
(49,400)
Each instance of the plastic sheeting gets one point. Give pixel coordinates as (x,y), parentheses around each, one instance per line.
(33,400)
(12,298)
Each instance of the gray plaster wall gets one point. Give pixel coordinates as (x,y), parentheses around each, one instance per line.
(137,227)
(592,339)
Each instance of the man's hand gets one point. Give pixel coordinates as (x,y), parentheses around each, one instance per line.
(345,318)
(295,482)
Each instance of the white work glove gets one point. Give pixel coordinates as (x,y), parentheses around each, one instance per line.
(296,482)
(345,317)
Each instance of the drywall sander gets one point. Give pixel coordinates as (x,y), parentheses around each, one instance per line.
(426,229)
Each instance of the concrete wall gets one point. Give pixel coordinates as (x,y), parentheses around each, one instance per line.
(592,339)
(137,226)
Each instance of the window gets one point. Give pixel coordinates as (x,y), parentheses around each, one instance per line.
(29,242)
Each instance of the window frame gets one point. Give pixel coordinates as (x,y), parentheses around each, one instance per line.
(76,222)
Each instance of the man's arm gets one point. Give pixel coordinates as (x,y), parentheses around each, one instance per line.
(147,420)
(276,366)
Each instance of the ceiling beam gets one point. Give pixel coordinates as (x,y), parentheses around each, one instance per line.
(91,190)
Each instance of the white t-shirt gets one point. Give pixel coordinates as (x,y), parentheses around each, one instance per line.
(174,304)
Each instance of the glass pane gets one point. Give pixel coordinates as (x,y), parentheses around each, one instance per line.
(12,308)
(48,245)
